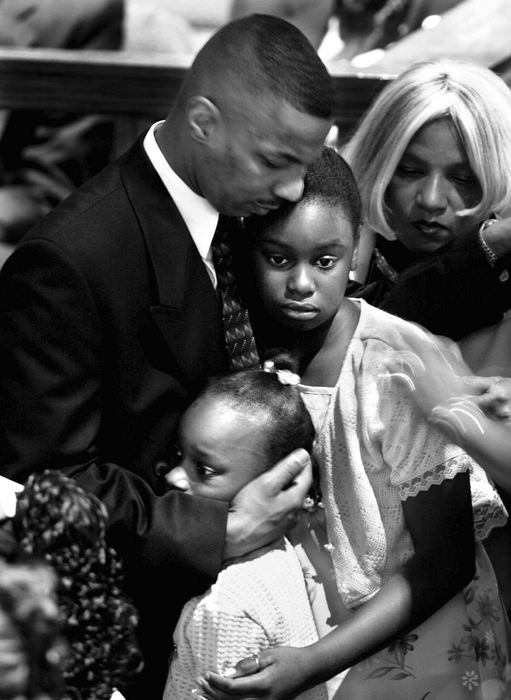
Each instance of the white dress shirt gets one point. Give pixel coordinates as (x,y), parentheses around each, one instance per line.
(198,214)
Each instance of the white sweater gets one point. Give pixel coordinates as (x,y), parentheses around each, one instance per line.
(258,601)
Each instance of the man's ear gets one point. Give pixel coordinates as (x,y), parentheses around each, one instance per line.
(203,117)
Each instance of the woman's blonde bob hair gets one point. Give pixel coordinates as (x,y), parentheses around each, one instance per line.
(476,100)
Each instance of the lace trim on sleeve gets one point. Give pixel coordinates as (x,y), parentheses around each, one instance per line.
(433,477)
(487,516)
(487,507)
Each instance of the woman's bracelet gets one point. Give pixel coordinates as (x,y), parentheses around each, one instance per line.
(490,255)
(459,414)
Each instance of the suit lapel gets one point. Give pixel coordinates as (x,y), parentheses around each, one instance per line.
(184,305)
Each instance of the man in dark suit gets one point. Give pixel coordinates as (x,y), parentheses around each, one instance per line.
(109,320)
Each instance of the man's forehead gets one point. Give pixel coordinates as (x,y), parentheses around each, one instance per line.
(279,122)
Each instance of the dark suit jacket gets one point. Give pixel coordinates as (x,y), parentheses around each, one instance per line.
(109,325)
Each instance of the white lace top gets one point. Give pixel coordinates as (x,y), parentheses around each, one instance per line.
(375,449)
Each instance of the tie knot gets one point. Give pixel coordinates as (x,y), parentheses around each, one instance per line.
(225,227)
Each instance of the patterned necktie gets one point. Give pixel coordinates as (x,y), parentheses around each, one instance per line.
(239,337)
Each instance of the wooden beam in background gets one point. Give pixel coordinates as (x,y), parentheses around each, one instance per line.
(131,84)
(89,81)
(144,86)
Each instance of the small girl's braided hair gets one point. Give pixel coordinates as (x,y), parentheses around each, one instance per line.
(31,649)
(275,400)
(60,523)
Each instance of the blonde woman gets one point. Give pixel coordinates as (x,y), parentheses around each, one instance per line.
(432,158)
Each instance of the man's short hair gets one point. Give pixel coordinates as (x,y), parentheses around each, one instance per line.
(265,54)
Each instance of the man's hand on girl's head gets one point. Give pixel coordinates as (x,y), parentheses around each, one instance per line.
(266,507)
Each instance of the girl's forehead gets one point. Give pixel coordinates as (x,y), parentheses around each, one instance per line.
(220,407)
(316,223)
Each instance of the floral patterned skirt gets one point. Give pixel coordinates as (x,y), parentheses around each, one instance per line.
(461,652)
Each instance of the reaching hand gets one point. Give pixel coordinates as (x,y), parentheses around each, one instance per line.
(428,368)
(493,396)
(434,374)
(275,674)
(266,507)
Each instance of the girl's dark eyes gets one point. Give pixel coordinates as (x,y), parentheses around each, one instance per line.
(204,471)
(277,260)
(326,262)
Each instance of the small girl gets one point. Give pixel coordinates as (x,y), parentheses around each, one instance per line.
(237,428)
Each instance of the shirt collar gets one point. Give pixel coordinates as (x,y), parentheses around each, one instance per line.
(198,214)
